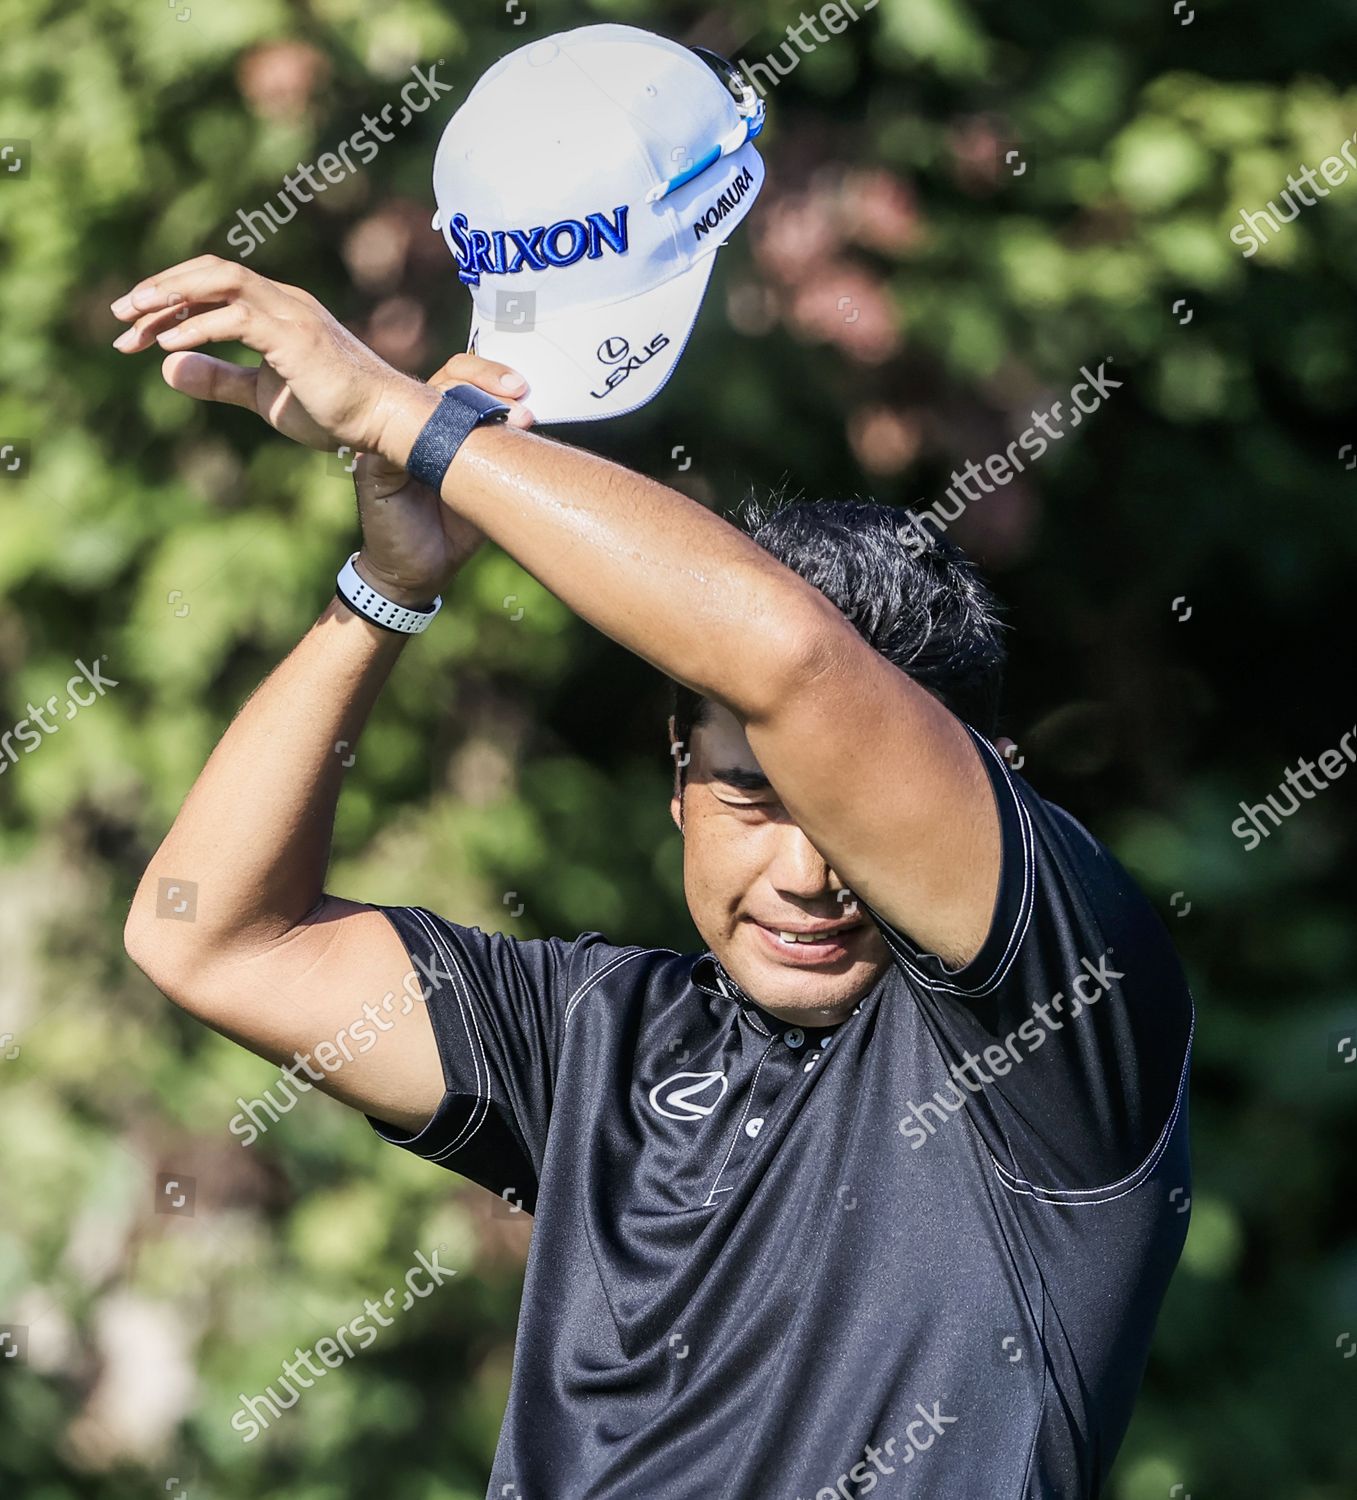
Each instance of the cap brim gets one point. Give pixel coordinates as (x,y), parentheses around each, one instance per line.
(600,362)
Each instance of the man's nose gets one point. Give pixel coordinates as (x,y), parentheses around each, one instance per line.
(798,867)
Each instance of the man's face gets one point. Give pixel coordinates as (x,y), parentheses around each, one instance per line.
(753,880)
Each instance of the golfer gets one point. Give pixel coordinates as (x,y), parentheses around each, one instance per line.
(884,1187)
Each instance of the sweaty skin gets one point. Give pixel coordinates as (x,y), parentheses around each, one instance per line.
(824,776)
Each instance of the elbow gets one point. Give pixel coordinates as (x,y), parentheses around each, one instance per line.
(144,945)
(160,938)
(811,645)
(138,934)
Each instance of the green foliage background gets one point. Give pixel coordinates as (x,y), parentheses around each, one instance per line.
(522,759)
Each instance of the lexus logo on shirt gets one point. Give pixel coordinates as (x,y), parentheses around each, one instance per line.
(688,1096)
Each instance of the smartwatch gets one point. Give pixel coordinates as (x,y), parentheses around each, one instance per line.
(458,414)
(364,600)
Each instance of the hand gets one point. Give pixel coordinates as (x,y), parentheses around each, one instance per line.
(318,384)
(412,542)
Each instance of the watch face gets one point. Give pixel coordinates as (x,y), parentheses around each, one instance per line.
(491,408)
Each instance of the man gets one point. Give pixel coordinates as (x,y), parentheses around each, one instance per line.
(883,1188)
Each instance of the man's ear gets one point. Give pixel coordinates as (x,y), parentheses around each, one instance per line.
(676,797)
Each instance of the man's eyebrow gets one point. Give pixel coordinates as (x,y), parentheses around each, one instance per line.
(741,779)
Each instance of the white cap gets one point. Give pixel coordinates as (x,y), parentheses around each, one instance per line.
(584,188)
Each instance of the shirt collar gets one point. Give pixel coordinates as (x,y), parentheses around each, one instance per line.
(709,975)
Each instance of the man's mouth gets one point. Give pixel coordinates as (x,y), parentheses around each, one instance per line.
(809,944)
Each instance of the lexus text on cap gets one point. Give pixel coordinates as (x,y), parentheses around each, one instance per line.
(584,189)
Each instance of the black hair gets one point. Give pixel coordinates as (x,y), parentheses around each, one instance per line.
(911,593)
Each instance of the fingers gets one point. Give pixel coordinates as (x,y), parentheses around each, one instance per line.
(208,299)
(219,325)
(206,378)
(144,331)
(491,376)
(126,306)
(207,278)
(488,374)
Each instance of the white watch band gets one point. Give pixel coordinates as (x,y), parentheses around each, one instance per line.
(364,600)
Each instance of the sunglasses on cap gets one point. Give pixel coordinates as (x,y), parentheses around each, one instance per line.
(753,114)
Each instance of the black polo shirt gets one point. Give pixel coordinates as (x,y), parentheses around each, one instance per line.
(922,1250)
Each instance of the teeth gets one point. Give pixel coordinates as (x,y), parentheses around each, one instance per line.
(802,937)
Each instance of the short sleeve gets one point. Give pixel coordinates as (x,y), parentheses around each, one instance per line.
(1067,1037)
(496,1004)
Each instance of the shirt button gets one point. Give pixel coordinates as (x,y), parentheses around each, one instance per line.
(811,1061)
(794,1038)
(753,1126)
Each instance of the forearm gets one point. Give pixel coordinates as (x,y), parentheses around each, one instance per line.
(654,570)
(254,833)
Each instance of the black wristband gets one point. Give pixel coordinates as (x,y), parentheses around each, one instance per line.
(457,415)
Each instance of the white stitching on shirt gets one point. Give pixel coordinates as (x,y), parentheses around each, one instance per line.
(613,964)
(473,1031)
(1022,918)
(734,1140)
(1095,1197)
(755,1022)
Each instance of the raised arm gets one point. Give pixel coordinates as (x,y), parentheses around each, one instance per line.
(883,780)
(231,919)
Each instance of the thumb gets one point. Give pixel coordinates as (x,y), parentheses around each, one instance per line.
(206,378)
